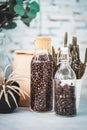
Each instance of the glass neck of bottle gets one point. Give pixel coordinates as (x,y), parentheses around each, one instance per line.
(42,51)
(65,64)
(65,59)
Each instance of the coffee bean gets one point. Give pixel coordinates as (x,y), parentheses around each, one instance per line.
(41,83)
(65,100)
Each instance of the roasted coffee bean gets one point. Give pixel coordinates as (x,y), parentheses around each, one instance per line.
(41,83)
(65,100)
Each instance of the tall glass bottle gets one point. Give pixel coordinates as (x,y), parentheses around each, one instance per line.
(65,87)
(42,76)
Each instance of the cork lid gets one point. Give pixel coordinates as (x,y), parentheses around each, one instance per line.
(43,42)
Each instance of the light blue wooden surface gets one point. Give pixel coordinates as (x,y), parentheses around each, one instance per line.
(23,119)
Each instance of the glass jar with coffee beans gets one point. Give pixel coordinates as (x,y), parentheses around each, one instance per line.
(65,90)
(42,76)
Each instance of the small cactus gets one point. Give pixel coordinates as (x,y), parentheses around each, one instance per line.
(65,39)
(74,41)
(55,56)
(76,64)
(85,57)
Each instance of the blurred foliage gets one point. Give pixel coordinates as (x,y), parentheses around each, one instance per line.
(76,64)
(10,9)
(75,61)
(56,59)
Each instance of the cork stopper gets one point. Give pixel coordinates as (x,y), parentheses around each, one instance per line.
(43,42)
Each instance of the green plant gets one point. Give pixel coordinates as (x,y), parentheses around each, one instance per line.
(76,64)
(55,56)
(26,9)
(10,87)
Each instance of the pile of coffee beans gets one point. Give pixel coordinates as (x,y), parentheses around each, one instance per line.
(41,83)
(65,100)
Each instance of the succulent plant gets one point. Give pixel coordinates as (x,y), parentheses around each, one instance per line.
(76,64)
(85,61)
(65,39)
(9,91)
(55,56)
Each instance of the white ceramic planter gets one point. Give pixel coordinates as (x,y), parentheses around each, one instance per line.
(78,91)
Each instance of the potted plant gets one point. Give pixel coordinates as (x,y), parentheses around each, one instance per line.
(9,90)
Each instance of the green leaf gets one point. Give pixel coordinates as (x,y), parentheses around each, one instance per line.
(35,6)
(19,9)
(31,14)
(19,1)
(26,20)
(10,25)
